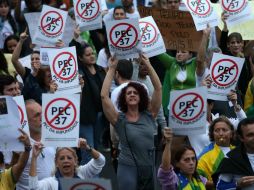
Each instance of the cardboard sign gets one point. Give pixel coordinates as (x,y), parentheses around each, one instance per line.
(64,69)
(60,120)
(188,111)
(124,38)
(22,113)
(177,28)
(224,71)
(152,42)
(202,13)
(51,25)
(9,124)
(86,184)
(88,14)
(238,11)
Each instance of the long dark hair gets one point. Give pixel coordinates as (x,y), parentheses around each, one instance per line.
(178,155)
(3,63)
(9,16)
(9,38)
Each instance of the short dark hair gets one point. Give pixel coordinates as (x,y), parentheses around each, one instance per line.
(217,120)
(235,35)
(143,94)
(4,81)
(119,7)
(125,68)
(36,52)
(243,123)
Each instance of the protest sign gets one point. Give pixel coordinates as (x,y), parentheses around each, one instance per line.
(202,13)
(88,14)
(124,38)
(224,71)
(176,27)
(60,120)
(188,111)
(238,11)
(51,25)
(87,184)
(244,28)
(152,42)
(22,113)
(9,124)
(64,69)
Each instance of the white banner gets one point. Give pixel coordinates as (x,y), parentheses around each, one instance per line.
(51,25)
(224,71)
(86,184)
(238,10)
(202,13)
(124,38)
(22,113)
(9,124)
(188,111)
(60,120)
(88,14)
(64,68)
(152,41)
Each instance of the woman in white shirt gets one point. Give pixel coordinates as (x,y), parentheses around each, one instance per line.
(66,162)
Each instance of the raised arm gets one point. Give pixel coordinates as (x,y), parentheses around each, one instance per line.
(157,93)
(16,54)
(202,52)
(108,107)
(166,156)
(18,168)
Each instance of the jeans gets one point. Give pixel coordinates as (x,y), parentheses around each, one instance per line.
(92,133)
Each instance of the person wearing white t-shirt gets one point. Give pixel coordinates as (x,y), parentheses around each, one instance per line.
(46,159)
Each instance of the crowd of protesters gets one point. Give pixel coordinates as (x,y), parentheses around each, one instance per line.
(124,109)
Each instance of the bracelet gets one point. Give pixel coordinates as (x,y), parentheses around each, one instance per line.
(28,148)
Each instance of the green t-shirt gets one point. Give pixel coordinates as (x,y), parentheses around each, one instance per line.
(177,77)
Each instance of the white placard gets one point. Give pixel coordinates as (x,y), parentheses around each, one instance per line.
(86,184)
(224,71)
(22,113)
(9,124)
(51,25)
(88,14)
(33,18)
(188,111)
(124,38)
(26,61)
(64,69)
(60,120)
(202,13)
(238,10)
(152,41)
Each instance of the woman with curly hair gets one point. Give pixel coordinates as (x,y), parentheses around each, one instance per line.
(134,125)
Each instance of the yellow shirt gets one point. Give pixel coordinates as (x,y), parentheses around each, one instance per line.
(6,180)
